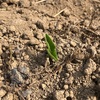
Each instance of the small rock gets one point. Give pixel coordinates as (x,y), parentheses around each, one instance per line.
(5,43)
(95,24)
(66,12)
(59,95)
(73,43)
(9,96)
(69,67)
(4,4)
(34,41)
(14,64)
(90,67)
(71,94)
(40,25)
(24,70)
(25,3)
(74,29)
(26,93)
(2,92)
(43,86)
(12,1)
(66,93)
(59,26)
(40,34)
(65,87)
(1,34)
(4,30)
(41,45)
(16,76)
(26,57)
(69,80)
(93,51)
(12,28)
(86,23)
(0,48)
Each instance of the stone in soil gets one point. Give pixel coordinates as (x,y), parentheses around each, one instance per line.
(34,41)
(0,48)
(2,92)
(59,95)
(69,67)
(9,96)
(90,67)
(27,93)
(16,76)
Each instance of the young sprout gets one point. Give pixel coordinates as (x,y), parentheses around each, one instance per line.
(51,48)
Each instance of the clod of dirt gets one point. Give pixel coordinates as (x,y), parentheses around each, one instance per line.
(43,86)
(0,48)
(73,43)
(2,92)
(90,67)
(66,13)
(1,62)
(69,67)
(95,23)
(59,95)
(65,87)
(66,93)
(11,1)
(93,51)
(16,76)
(12,28)
(4,5)
(40,34)
(69,80)
(34,41)
(24,69)
(40,25)
(9,96)
(27,93)
(14,64)
(71,94)
(24,3)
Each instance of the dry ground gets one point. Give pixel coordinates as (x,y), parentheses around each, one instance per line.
(26,70)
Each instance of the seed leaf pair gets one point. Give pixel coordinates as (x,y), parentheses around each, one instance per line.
(51,48)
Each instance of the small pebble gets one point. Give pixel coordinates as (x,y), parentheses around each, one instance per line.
(43,86)
(40,34)
(90,67)
(66,12)
(0,48)
(39,25)
(2,92)
(69,80)
(65,87)
(59,95)
(24,3)
(12,28)
(16,76)
(9,96)
(14,64)
(73,43)
(27,92)
(69,67)
(34,41)
(71,94)
(93,51)
(66,94)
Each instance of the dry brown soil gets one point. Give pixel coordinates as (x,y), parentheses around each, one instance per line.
(26,70)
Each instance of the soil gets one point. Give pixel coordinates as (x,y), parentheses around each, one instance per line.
(26,70)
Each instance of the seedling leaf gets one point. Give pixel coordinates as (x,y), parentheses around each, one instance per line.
(51,48)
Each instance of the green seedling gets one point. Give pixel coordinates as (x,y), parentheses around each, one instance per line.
(51,48)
